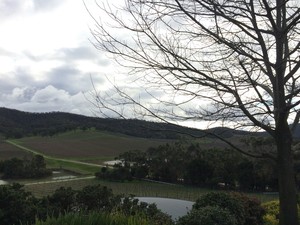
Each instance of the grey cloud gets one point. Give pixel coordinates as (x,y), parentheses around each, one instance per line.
(68,55)
(46,4)
(31,56)
(17,95)
(18,78)
(64,77)
(83,53)
(9,8)
(67,77)
(4,52)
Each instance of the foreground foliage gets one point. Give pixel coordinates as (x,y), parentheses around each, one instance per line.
(95,218)
(220,208)
(20,207)
(98,205)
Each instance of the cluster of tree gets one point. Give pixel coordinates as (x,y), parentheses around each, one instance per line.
(24,168)
(20,207)
(17,124)
(193,165)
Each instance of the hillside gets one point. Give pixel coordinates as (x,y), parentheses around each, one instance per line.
(17,124)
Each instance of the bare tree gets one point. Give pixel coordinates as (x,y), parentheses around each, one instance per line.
(240,56)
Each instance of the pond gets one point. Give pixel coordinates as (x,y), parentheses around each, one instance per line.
(63,175)
(174,207)
(2,182)
(57,175)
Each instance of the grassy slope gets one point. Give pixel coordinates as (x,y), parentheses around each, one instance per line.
(87,145)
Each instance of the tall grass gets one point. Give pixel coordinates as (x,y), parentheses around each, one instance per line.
(95,218)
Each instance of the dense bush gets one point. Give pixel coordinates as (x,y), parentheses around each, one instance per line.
(16,205)
(97,198)
(63,200)
(224,201)
(254,211)
(245,210)
(208,215)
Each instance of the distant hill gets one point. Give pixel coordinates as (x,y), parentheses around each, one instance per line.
(17,124)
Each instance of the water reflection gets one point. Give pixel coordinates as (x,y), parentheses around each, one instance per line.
(174,207)
(2,182)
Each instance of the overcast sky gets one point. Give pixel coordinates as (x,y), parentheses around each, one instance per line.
(46,56)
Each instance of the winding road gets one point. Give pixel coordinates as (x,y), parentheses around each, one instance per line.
(53,158)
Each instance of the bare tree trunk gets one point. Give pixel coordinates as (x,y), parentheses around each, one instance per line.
(287,186)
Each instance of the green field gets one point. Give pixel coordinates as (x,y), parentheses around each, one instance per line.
(76,149)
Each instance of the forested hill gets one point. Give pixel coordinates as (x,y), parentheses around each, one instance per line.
(16,124)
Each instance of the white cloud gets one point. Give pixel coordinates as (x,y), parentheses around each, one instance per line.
(50,94)
(46,100)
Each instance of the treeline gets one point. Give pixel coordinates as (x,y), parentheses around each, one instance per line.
(17,124)
(24,168)
(192,165)
(18,206)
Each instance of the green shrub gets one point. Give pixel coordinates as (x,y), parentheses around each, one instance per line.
(224,201)
(272,213)
(208,215)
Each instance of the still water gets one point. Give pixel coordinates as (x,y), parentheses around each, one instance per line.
(2,182)
(174,207)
